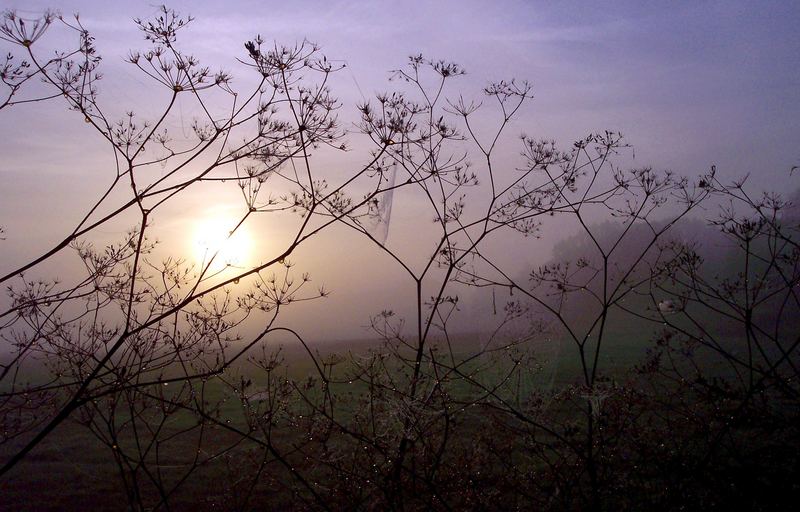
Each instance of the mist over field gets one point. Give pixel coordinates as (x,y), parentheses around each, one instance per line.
(364,256)
(689,86)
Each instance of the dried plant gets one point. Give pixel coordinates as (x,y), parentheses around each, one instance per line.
(151,354)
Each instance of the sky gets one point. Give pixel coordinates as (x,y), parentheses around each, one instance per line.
(690,85)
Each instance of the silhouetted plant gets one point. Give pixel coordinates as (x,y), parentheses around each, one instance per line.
(151,354)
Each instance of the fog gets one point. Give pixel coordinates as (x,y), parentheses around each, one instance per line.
(689,86)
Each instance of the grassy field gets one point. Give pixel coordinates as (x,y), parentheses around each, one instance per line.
(72,469)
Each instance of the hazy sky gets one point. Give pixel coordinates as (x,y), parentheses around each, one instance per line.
(690,84)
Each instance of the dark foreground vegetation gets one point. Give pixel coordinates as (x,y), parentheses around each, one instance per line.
(652,365)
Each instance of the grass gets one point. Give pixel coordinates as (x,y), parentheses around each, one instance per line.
(72,468)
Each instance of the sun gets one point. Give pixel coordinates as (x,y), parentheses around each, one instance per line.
(214,237)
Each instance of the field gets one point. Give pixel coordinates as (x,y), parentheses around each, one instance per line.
(72,468)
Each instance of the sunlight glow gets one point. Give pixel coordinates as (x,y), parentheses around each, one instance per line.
(212,239)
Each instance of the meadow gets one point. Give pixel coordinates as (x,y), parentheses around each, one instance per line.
(77,465)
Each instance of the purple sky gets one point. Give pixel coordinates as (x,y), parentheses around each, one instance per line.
(690,84)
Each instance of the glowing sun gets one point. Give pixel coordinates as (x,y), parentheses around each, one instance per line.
(214,237)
